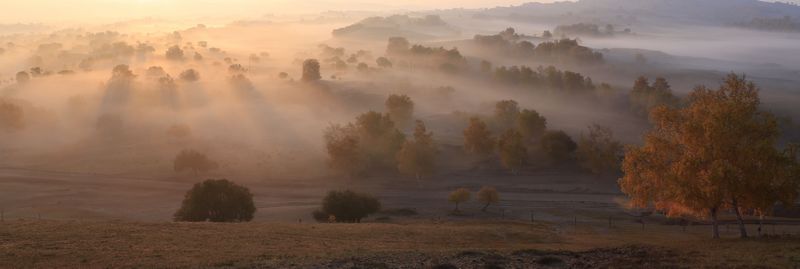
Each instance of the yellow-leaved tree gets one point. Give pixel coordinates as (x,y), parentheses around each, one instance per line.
(717,153)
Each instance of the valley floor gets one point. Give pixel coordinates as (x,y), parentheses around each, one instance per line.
(409,244)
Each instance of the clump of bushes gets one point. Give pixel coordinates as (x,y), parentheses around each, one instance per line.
(217,200)
(346,206)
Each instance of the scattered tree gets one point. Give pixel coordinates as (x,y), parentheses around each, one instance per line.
(11,116)
(400,109)
(478,139)
(459,196)
(488,196)
(344,152)
(194,161)
(558,145)
(418,157)
(174,53)
(506,113)
(383,62)
(531,125)
(349,206)
(23,77)
(512,150)
(217,200)
(190,75)
(599,152)
(311,71)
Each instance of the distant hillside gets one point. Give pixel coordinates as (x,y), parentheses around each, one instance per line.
(381,28)
(712,12)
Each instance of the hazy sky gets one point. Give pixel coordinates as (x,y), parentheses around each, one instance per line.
(26,11)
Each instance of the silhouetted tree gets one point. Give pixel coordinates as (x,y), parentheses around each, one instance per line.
(418,157)
(194,161)
(506,113)
(531,125)
(400,109)
(217,200)
(311,71)
(598,152)
(174,53)
(190,75)
(23,77)
(383,62)
(478,139)
(558,145)
(397,46)
(349,206)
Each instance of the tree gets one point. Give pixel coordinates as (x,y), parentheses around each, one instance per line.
(311,71)
(599,152)
(459,196)
(478,139)
(190,75)
(12,116)
(418,157)
(645,97)
(547,34)
(506,113)
(717,153)
(22,77)
(488,196)
(344,152)
(397,46)
(217,200)
(531,125)
(400,109)
(174,53)
(558,145)
(349,206)
(512,150)
(379,139)
(383,62)
(194,161)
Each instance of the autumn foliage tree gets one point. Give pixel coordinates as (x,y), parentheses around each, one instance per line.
(531,125)
(598,152)
(558,146)
(488,196)
(418,157)
(370,143)
(478,139)
(718,153)
(459,196)
(512,150)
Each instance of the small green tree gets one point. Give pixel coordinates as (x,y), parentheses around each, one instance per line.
(217,200)
(488,195)
(459,196)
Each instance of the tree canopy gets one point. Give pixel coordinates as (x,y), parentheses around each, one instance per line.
(217,200)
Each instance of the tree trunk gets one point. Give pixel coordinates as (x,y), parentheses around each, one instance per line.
(456,207)
(714,224)
(760,223)
(742,228)
(484,207)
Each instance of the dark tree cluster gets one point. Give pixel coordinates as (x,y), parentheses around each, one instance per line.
(565,50)
(346,206)
(584,29)
(644,96)
(545,77)
(371,143)
(783,24)
(447,60)
(217,200)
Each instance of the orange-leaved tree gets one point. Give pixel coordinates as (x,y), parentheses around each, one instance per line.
(717,153)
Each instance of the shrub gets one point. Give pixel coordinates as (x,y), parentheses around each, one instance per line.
(217,200)
(459,196)
(488,196)
(348,206)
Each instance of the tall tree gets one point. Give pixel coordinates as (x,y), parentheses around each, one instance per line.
(400,109)
(418,157)
(531,125)
(478,139)
(598,151)
(717,153)
(512,150)
(506,113)
(311,70)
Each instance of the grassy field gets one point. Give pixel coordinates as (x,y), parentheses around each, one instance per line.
(413,244)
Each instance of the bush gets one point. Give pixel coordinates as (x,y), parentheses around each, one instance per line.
(217,200)
(348,206)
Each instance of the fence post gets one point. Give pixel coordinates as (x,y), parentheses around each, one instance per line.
(532,220)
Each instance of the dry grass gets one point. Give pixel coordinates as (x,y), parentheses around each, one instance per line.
(94,244)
